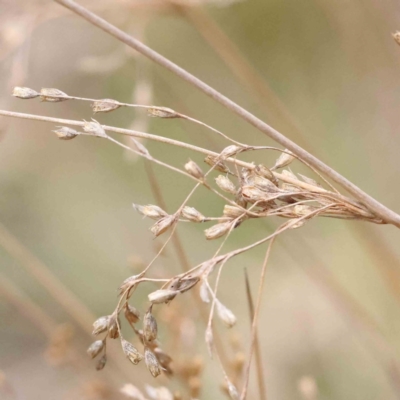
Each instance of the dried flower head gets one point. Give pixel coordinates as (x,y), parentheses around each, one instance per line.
(24,93)
(162,225)
(101,363)
(151,211)
(52,95)
(94,128)
(283,160)
(100,325)
(113,331)
(225,184)
(162,296)
(95,348)
(193,169)
(131,352)
(149,327)
(217,230)
(230,151)
(65,133)
(162,112)
(105,105)
(151,362)
(132,315)
(225,314)
(232,211)
(218,165)
(192,214)
(265,184)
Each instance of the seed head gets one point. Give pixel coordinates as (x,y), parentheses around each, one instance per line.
(95,348)
(52,95)
(232,211)
(94,128)
(193,169)
(151,211)
(162,112)
(230,151)
(265,172)
(24,93)
(192,214)
(132,315)
(65,133)
(152,363)
(225,184)
(225,314)
(149,327)
(100,325)
(105,105)
(131,352)
(218,165)
(253,194)
(217,230)
(162,296)
(283,160)
(101,363)
(162,225)
(113,330)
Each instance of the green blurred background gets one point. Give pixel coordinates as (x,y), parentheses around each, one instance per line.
(325,73)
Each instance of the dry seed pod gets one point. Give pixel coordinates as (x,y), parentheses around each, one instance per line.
(225,314)
(151,362)
(140,147)
(193,169)
(132,315)
(100,325)
(95,348)
(230,151)
(265,184)
(113,330)
(192,214)
(396,37)
(52,95)
(162,225)
(94,128)
(101,363)
(105,105)
(128,283)
(289,174)
(131,352)
(217,230)
(149,327)
(204,294)
(283,160)
(151,211)
(24,93)
(183,284)
(232,211)
(265,172)
(65,133)
(225,184)
(162,296)
(253,194)
(162,112)
(163,358)
(218,165)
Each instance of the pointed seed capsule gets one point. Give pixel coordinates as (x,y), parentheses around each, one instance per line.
(101,363)
(52,95)
(149,327)
(162,225)
(95,348)
(151,211)
(131,352)
(100,325)
(132,315)
(283,160)
(225,184)
(193,169)
(152,363)
(24,93)
(217,230)
(192,214)
(162,296)
(65,133)
(105,105)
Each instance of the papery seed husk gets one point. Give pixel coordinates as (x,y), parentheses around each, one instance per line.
(162,296)
(232,211)
(95,128)
(131,352)
(151,211)
(252,193)
(225,314)
(217,230)
(52,95)
(149,327)
(162,112)
(152,363)
(193,169)
(140,147)
(225,184)
(309,180)
(204,294)
(113,331)
(163,358)
(302,210)
(101,363)
(95,348)
(24,93)
(284,159)
(162,225)
(105,105)
(289,174)
(265,184)
(230,151)
(265,172)
(66,133)
(218,165)
(182,284)
(132,315)
(192,214)
(100,325)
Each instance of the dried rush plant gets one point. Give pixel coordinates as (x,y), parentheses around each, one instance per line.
(249,191)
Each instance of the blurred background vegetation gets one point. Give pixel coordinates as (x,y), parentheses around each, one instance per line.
(325,73)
